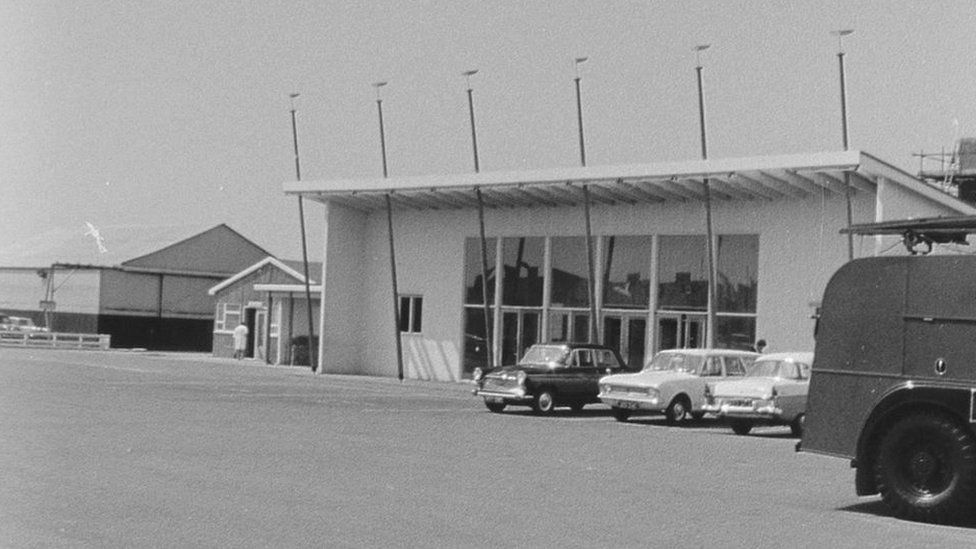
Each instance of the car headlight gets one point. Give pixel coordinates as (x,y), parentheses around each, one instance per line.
(520,378)
(653,393)
(477,374)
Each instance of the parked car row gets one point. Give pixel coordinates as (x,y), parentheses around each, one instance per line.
(746,388)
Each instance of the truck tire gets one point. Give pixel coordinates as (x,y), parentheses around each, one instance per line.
(925,469)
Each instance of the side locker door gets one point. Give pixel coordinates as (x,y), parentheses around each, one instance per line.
(940,320)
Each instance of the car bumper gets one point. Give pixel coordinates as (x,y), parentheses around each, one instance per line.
(630,403)
(767,413)
(513,397)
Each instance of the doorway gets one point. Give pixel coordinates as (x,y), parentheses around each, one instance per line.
(680,330)
(249,321)
(520,330)
(626,333)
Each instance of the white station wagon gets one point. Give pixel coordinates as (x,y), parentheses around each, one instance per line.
(774,392)
(673,383)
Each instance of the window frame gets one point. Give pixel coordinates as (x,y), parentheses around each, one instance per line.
(410,309)
(224,310)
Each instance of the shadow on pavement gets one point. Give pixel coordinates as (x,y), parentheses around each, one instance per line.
(877,508)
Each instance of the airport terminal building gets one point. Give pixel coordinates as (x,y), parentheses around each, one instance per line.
(775,231)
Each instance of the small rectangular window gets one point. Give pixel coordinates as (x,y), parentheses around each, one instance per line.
(228,316)
(411,313)
(415,316)
(404,314)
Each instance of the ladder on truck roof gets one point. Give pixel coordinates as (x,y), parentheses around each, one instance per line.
(924,231)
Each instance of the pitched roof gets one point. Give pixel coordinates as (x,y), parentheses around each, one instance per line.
(80,245)
(291,268)
(219,249)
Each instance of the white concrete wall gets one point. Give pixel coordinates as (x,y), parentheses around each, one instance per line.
(800,247)
(341,320)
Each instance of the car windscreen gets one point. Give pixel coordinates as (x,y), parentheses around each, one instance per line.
(675,362)
(544,355)
(775,368)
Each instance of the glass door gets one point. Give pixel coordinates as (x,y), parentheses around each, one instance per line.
(520,330)
(626,334)
(680,330)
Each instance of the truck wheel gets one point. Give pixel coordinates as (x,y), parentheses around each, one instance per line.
(496,407)
(677,412)
(545,402)
(926,469)
(620,414)
(740,426)
(796,427)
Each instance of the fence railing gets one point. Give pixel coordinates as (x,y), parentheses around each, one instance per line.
(55,340)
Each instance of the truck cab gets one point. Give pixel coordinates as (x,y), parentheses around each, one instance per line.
(894,380)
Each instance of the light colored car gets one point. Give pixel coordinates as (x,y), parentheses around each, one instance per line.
(20,324)
(672,383)
(774,392)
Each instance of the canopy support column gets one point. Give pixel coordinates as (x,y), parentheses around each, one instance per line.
(396,292)
(484,279)
(590,286)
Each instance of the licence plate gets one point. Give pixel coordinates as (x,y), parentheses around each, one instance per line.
(494,400)
(628,405)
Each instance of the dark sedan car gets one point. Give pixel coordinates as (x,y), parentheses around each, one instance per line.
(549,375)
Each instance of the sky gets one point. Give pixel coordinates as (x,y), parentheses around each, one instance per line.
(166,118)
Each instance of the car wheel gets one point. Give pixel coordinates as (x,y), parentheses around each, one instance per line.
(545,402)
(925,469)
(621,414)
(496,407)
(740,426)
(796,427)
(677,412)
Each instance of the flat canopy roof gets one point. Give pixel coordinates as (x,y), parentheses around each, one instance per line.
(760,178)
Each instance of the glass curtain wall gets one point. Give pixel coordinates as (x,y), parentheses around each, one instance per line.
(626,290)
(624,273)
(682,268)
(738,265)
(475,332)
(569,313)
(523,260)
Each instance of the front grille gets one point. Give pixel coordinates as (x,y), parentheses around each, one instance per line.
(625,389)
(496,384)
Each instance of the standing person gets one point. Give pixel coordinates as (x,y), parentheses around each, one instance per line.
(760,346)
(240,340)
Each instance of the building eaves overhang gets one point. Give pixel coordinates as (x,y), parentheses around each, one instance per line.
(296,290)
(765,178)
(139,270)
